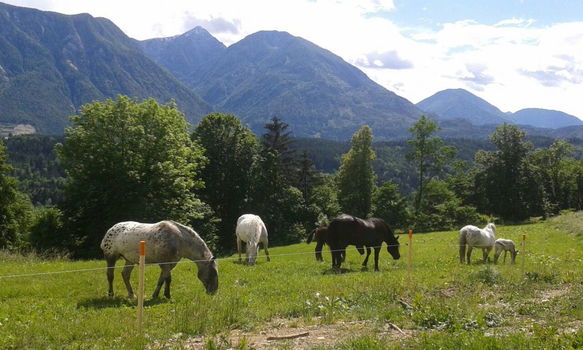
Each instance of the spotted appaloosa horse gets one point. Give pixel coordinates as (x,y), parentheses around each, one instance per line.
(350,230)
(166,243)
(475,237)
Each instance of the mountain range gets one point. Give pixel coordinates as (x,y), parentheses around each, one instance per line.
(271,73)
(461,104)
(51,64)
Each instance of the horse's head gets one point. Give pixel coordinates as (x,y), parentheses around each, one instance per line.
(491,227)
(392,242)
(393,248)
(252,249)
(208,274)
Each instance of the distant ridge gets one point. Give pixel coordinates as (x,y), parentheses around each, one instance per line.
(544,118)
(461,104)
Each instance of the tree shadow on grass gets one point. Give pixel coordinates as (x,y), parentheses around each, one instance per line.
(107,302)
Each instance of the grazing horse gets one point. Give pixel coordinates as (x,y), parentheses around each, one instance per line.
(475,237)
(251,230)
(320,235)
(349,230)
(504,245)
(166,243)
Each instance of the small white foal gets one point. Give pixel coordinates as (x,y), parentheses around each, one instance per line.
(504,245)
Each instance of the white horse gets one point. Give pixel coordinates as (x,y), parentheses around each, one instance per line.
(166,243)
(251,230)
(505,245)
(475,237)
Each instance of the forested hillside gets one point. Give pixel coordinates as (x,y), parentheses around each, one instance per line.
(51,64)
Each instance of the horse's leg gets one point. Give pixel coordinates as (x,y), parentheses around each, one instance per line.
(318,251)
(110,268)
(161,280)
(125,273)
(265,241)
(239,247)
(377,252)
(336,258)
(168,280)
(487,254)
(365,262)
(497,253)
(469,254)
(505,256)
(342,255)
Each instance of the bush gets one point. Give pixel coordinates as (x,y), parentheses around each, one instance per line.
(46,231)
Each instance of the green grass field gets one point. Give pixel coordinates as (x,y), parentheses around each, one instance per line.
(441,305)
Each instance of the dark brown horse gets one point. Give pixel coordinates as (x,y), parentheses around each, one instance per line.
(349,230)
(320,235)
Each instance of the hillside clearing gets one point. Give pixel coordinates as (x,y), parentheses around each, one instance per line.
(443,304)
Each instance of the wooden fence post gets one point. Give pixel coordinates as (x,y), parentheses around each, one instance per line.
(142,265)
(523,247)
(410,255)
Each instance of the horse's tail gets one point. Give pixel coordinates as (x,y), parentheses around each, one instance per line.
(463,241)
(310,237)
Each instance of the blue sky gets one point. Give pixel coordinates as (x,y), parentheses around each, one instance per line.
(433,13)
(515,54)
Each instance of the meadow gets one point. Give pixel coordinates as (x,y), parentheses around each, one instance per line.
(441,304)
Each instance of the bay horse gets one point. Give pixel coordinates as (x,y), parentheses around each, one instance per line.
(251,230)
(475,237)
(320,235)
(371,233)
(166,243)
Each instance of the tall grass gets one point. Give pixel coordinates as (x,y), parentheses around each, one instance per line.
(446,304)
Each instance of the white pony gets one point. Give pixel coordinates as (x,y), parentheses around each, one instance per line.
(475,237)
(505,245)
(251,230)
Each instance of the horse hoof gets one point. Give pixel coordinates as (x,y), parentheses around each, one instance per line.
(110,294)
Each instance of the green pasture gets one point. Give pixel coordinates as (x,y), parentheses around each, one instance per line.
(444,304)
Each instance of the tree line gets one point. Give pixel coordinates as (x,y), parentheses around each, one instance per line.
(128,160)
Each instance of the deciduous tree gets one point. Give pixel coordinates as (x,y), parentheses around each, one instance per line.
(128,161)
(356,177)
(231,150)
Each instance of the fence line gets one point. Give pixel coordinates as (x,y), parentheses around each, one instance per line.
(226,259)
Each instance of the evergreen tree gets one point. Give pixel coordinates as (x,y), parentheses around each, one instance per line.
(280,205)
(356,177)
(277,140)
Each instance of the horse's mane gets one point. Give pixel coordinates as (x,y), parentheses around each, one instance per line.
(189,232)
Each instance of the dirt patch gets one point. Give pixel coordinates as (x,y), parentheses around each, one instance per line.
(278,335)
(554,293)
